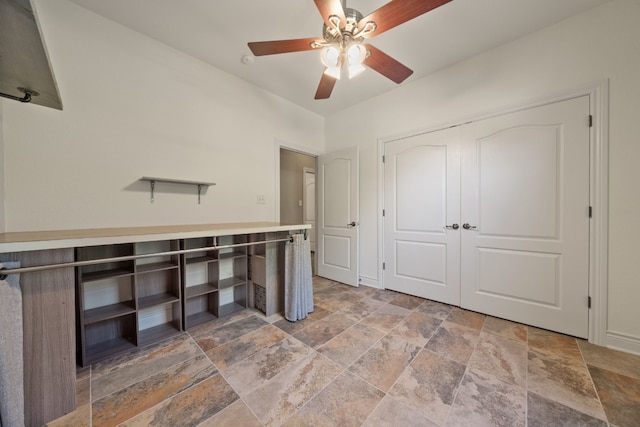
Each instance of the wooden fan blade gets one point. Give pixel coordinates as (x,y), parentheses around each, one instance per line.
(325,87)
(397,12)
(386,65)
(282,46)
(331,7)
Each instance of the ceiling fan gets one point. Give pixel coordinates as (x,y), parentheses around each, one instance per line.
(343,35)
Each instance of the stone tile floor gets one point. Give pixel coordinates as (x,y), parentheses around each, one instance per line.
(364,357)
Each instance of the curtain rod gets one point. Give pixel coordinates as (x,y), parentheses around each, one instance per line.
(4,272)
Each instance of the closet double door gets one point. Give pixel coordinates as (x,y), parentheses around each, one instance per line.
(493,216)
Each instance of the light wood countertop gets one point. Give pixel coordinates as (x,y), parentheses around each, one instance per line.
(57,239)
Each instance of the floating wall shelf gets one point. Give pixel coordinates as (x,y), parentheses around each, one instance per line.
(153,181)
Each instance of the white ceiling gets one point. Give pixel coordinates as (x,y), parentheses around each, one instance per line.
(217,32)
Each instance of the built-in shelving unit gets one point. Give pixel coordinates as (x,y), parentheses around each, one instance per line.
(214,281)
(137,293)
(123,304)
(266,281)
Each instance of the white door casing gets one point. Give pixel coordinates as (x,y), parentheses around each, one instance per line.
(422,216)
(309,203)
(525,186)
(337,188)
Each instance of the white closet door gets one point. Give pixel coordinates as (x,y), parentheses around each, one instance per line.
(422,198)
(525,198)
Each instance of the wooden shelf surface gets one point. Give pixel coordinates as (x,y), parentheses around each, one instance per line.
(200,259)
(231,282)
(205,288)
(198,318)
(107,312)
(92,276)
(156,266)
(149,335)
(105,349)
(231,255)
(158,299)
(227,309)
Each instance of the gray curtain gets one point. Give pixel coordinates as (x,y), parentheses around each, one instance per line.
(11,364)
(298,286)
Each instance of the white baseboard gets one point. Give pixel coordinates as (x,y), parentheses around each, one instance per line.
(623,342)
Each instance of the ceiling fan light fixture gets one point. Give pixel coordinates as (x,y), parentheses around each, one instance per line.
(330,57)
(356,56)
(333,72)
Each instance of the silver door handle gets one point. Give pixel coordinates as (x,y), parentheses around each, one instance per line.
(452,227)
(351,224)
(466,226)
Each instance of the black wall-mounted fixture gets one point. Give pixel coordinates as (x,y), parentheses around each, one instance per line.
(24,64)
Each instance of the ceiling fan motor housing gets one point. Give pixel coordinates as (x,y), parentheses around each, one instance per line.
(337,36)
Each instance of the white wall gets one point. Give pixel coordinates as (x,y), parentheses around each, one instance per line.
(134,107)
(598,44)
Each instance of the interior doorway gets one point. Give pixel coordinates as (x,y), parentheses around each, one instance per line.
(297,193)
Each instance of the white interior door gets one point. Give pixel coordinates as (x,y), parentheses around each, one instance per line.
(422,216)
(525,198)
(338,216)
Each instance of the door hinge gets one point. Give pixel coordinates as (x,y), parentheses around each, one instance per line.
(590,211)
(383,212)
(590,121)
(588,302)
(384,265)
(383,158)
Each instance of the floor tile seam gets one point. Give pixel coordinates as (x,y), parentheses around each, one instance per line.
(409,363)
(251,314)
(290,365)
(311,398)
(163,401)
(367,350)
(235,339)
(455,397)
(372,411)
(614,371)
(159,372)
(137,354)
(569,360)
(466,368)
(608,368)
(595,389)
(495,334)
(603,412)
(240,398)
(566,406)
(309,356)
(424,347)
(336,336)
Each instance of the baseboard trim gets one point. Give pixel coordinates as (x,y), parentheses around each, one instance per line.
(623,342)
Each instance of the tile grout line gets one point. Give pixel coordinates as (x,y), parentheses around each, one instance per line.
(467,368)
(593,384)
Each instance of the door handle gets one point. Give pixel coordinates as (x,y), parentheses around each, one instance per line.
(452,227)
(466,226)
(351,224)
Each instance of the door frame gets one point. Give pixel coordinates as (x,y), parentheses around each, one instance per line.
(278,144)
(598,93)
